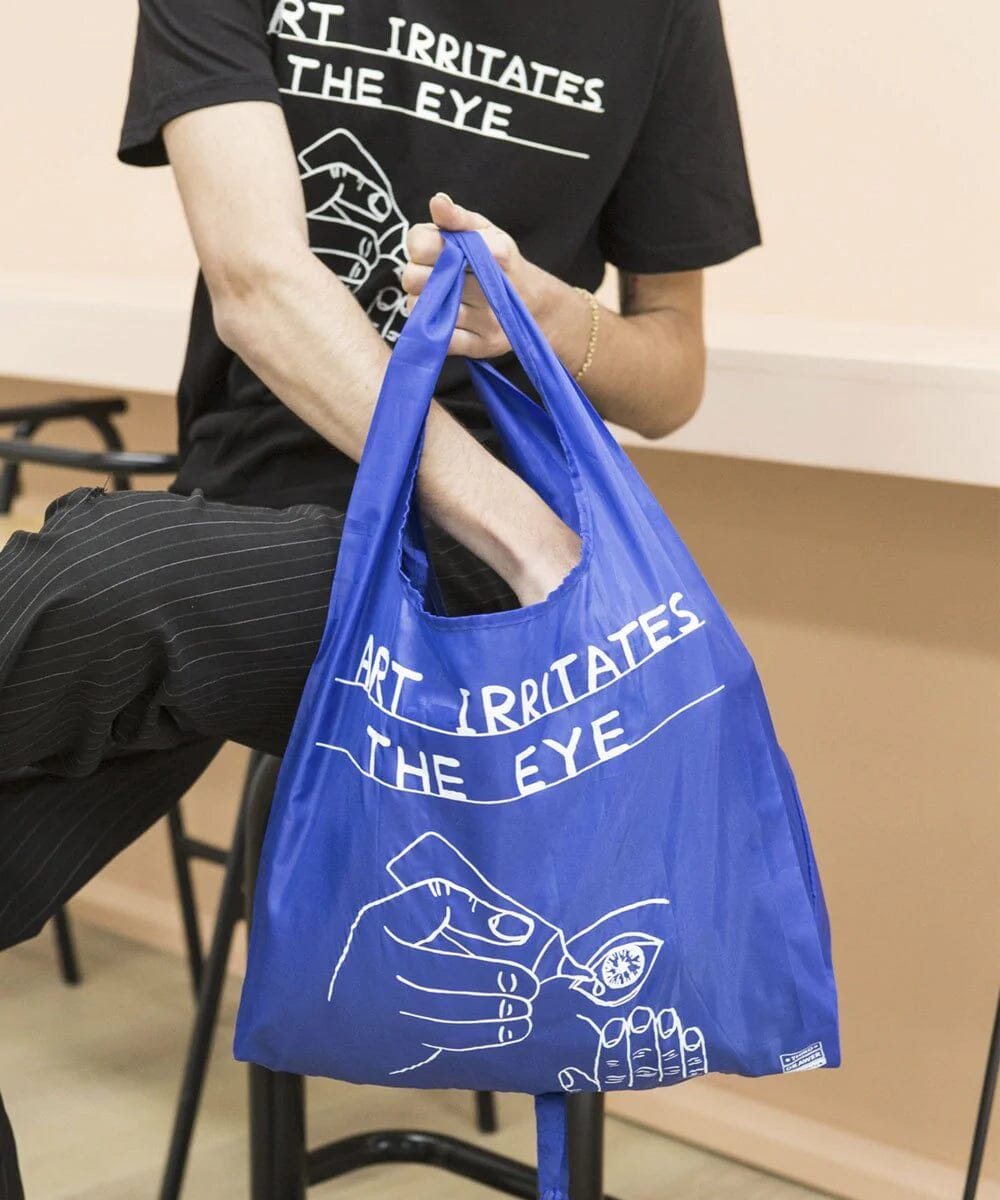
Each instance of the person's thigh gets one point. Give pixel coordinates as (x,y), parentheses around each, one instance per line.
(57,831)
(133,620)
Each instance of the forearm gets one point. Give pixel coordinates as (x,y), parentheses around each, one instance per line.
(647,372)
(304,334)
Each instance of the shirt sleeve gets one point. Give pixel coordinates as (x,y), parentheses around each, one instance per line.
(683,200)
(192,54)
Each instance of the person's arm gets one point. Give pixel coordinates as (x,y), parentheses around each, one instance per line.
(648,368)
(303,333)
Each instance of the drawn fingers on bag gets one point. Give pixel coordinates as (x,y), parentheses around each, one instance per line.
(643,1049)
(484,1003)
(440,912)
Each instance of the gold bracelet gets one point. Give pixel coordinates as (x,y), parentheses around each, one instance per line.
(595,316)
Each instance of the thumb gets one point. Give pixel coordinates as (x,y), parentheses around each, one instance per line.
(420,912)
(572,1079)
(446,214)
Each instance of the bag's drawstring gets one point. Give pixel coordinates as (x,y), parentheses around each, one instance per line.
(553,1146)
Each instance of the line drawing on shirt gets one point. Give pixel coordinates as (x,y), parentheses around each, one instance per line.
(355,224)
(469,960)
(623,749)
(480,733)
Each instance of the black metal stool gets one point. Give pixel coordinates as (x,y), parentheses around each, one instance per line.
(281,1166)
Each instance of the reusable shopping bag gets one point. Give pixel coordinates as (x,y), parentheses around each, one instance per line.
(544,850)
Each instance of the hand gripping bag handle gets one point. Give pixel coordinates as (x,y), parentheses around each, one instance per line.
(392,449)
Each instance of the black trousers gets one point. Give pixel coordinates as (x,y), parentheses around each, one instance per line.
(138,632)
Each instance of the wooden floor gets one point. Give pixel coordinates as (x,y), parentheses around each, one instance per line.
(89,1075)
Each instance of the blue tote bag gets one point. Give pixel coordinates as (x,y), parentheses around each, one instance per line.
(545,850)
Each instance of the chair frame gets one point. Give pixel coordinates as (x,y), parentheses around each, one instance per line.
(282,1166)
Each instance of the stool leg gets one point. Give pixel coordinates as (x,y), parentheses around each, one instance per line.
(585,1118)
(277,1100)
(229,912)
(277,1135)
(260,1096)
(486,1112)
(985,1107)
(69,966)
(10,480)
(289,1137)
(9,483)
(185,893)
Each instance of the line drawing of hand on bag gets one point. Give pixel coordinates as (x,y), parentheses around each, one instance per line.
(442,996)
(644,1049)
(469,963)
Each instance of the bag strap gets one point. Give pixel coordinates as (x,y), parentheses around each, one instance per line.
(386,474)
(542,365)
(553,1146)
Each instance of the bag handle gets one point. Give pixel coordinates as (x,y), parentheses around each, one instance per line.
(387,471)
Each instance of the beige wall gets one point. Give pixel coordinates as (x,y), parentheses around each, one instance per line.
(872,134)
(870,605)
(871,130)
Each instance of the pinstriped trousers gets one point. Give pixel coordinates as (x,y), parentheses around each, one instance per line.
(138,632)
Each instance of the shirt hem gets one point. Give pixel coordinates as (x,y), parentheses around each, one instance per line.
(141,143)
(684,256)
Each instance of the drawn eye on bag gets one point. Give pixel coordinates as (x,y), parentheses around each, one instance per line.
(620,968)
(620,951)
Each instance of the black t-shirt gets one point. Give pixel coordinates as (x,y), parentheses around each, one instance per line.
(589,133)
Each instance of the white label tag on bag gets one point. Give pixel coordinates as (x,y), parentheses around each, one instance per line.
(807,1059)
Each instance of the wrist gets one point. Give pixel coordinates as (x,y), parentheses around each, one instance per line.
(561,313)
(534,550)
(522,539)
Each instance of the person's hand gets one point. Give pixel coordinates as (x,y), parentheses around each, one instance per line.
(477,333)
(643,1049)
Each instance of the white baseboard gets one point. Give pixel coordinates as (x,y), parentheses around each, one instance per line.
(886,400)
(799,1148)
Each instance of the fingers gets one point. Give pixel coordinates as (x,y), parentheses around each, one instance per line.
(414,280)
(613,1066)
(485,1004)
(693,1052)
(423,244)
(424,241)
(449,215)
(644,1051)
(641,1050)
(668,1028)
(571,1079)
(472,917)
(422,968)
(477,1035)
(471,343)
(419,914)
